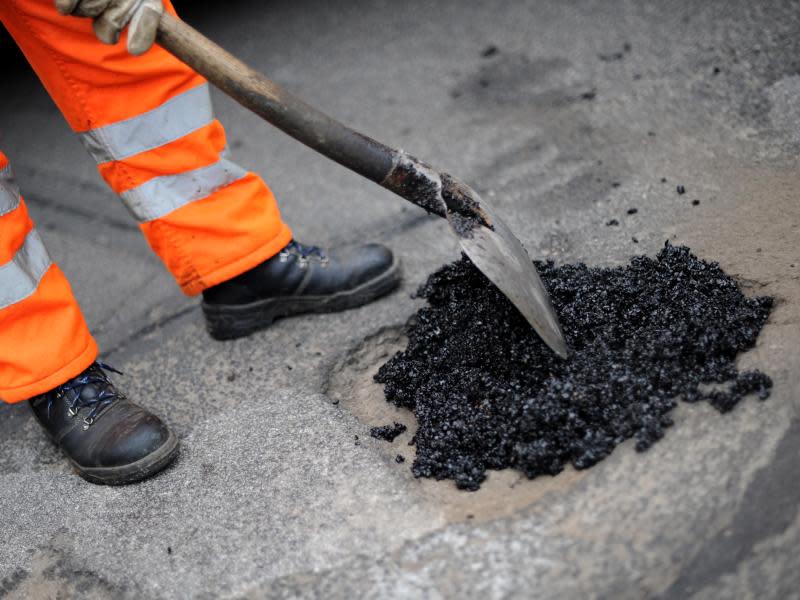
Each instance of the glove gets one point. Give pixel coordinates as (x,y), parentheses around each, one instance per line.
(112,16)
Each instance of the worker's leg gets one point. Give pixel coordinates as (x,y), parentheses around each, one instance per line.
(148,123)
(47,356)
(43,337)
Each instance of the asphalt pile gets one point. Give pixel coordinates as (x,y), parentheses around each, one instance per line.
(488,394)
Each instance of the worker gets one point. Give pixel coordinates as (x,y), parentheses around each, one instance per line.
(146,119)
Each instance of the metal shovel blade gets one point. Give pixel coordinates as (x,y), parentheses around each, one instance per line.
(500,256)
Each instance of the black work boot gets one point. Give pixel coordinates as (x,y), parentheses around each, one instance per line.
(300,279)
(107,438)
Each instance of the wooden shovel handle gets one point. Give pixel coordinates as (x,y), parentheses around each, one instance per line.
(386,166)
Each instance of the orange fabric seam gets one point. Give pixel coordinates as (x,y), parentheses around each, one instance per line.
(61,67)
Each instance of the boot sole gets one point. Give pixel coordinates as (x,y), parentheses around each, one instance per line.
(141,469)
(231,321)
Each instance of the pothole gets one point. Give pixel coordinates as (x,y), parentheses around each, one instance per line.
(352,388)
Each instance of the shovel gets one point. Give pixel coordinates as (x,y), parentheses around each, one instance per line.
(484,238)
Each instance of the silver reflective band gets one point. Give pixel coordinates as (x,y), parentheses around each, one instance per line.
(9,192)
(177,117)
(20,277)
(162,195)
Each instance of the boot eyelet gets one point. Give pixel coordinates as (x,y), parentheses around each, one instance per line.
(72,412)
(87,422)
(283,257)
(302,262)
(324,262)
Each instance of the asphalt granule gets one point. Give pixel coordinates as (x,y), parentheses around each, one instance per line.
(387,432)
(488,394)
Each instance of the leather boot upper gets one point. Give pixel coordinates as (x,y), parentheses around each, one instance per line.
(300,270)
(95,425)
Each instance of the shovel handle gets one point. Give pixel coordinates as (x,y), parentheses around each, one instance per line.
(388,167)
(484,238)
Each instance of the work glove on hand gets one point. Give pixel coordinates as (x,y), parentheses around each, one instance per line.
(112,16)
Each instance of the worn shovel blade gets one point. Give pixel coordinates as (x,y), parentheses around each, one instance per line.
(500,256)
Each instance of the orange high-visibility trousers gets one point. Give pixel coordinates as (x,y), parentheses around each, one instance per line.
(148,123)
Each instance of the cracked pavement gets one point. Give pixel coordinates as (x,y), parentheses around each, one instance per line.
(583,110)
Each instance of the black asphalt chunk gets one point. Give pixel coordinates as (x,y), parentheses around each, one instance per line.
(387,432)
(490,50)
(681,190)
(695,202)
(612,222)
(488,394)
(633,211)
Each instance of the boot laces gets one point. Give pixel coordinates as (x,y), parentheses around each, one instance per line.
(305,252)
(72,390)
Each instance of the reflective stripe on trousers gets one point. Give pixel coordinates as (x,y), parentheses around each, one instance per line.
(177,117)
(20,276)
(160,196)
(9,192)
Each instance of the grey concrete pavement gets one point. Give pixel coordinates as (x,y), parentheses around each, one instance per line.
(580,114)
